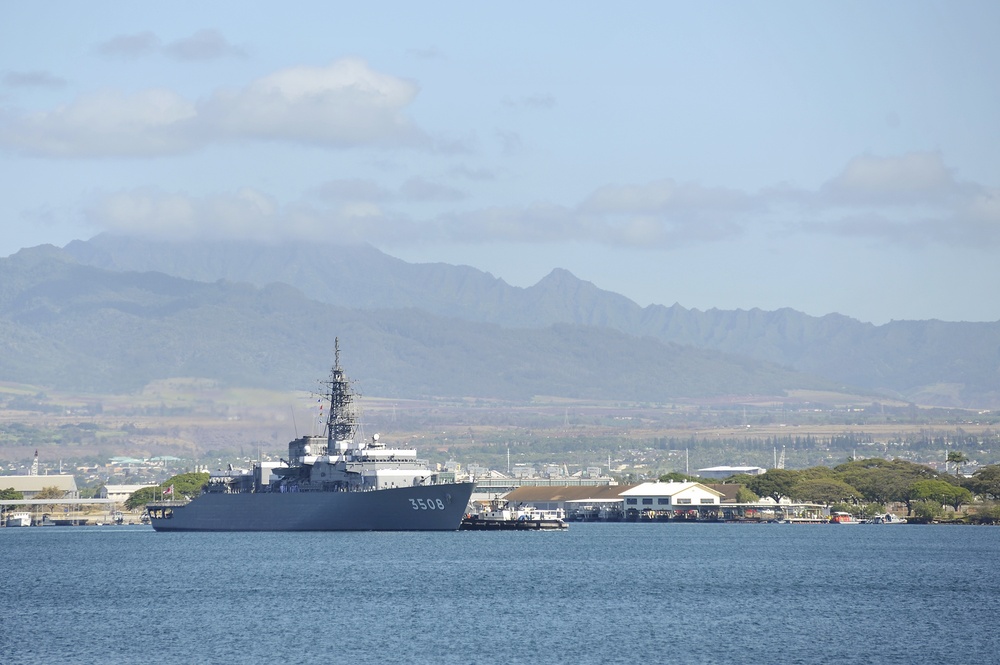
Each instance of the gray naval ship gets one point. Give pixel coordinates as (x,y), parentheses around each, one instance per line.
(328,483)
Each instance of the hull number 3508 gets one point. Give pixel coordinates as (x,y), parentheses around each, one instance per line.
(428,504)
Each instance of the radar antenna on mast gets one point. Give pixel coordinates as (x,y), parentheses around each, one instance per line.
(341,421)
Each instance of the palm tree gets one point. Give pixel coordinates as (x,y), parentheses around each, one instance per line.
(959,458)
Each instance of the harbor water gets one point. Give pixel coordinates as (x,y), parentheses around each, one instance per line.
(596,593)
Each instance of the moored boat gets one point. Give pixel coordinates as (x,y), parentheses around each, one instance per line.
(328,483)
(19,519)
(503,517)
(888,518)
(843,518)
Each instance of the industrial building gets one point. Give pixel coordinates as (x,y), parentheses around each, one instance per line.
(30,486)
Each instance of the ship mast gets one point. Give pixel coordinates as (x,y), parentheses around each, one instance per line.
(341,421)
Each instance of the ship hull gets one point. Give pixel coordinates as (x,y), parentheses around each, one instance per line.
(423,508)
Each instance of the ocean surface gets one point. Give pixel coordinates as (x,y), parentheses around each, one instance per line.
(597,593)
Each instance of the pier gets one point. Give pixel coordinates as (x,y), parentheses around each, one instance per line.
(75,517)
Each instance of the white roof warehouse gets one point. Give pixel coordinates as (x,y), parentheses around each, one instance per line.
(670,497)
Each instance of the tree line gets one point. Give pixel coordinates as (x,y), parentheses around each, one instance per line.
(864,487)
(182,486)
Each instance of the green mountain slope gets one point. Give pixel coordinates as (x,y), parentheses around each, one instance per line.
(72,326)
(951,364)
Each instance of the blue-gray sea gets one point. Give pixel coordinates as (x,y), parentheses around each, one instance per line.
(597,593)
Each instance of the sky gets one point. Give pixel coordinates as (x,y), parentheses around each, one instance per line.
(826,157)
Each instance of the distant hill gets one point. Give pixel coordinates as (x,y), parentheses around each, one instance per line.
(932,362)
(74,326)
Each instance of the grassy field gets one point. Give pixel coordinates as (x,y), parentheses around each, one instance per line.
(195,419)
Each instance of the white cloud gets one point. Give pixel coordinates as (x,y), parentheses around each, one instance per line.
(912,179)
(344,104)
(244,214)
(149,213)
(972,222)
(660,215)
(910,200)
(152,122)
(665,214)
(251,214)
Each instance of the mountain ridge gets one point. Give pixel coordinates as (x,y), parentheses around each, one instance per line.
(901,359)
(79,327)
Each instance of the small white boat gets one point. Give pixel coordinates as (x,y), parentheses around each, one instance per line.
(888,518)
(19,519)
(501,517)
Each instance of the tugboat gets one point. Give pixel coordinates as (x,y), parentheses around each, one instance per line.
(328,483)
(502,517)
(843,518)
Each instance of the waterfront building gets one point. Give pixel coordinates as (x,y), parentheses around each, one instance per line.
(119,493)
(667,499)
(31,485)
